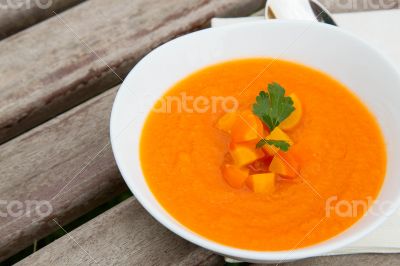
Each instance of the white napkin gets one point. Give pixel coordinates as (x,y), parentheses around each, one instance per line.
(381,29)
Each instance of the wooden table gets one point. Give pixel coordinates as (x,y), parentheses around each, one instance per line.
(60,67)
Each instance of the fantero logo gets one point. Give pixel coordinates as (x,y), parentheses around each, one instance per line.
(361,4)
(28,208)
(25,4)
(356,207)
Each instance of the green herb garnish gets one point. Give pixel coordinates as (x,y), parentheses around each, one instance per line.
(272,107)
(280,144)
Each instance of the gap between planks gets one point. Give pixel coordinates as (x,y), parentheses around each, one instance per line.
(19,15)
(124,235)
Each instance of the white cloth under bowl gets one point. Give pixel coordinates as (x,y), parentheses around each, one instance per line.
(381,29)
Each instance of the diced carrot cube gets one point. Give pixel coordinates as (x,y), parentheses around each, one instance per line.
(276,134)
(295,117)
(285,164)
(247,127)
(244,154)
(227,121)
(250,144)
(260,183)
(234,175)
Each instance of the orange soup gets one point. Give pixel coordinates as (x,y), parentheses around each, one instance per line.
(338,143)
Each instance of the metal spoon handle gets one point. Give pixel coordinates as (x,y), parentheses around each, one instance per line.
(310,10)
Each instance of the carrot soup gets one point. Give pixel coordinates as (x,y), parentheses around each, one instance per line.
(263,154)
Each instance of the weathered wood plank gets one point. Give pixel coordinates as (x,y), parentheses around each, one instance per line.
(16,15)
(61,62)
(54,162)
(124,235)
(127,235)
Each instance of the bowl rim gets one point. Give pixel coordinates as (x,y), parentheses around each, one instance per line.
(232,252)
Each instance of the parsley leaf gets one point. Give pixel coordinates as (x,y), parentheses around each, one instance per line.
(273,107)
(281,144)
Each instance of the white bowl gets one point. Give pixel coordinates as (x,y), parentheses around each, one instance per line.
(353,62)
